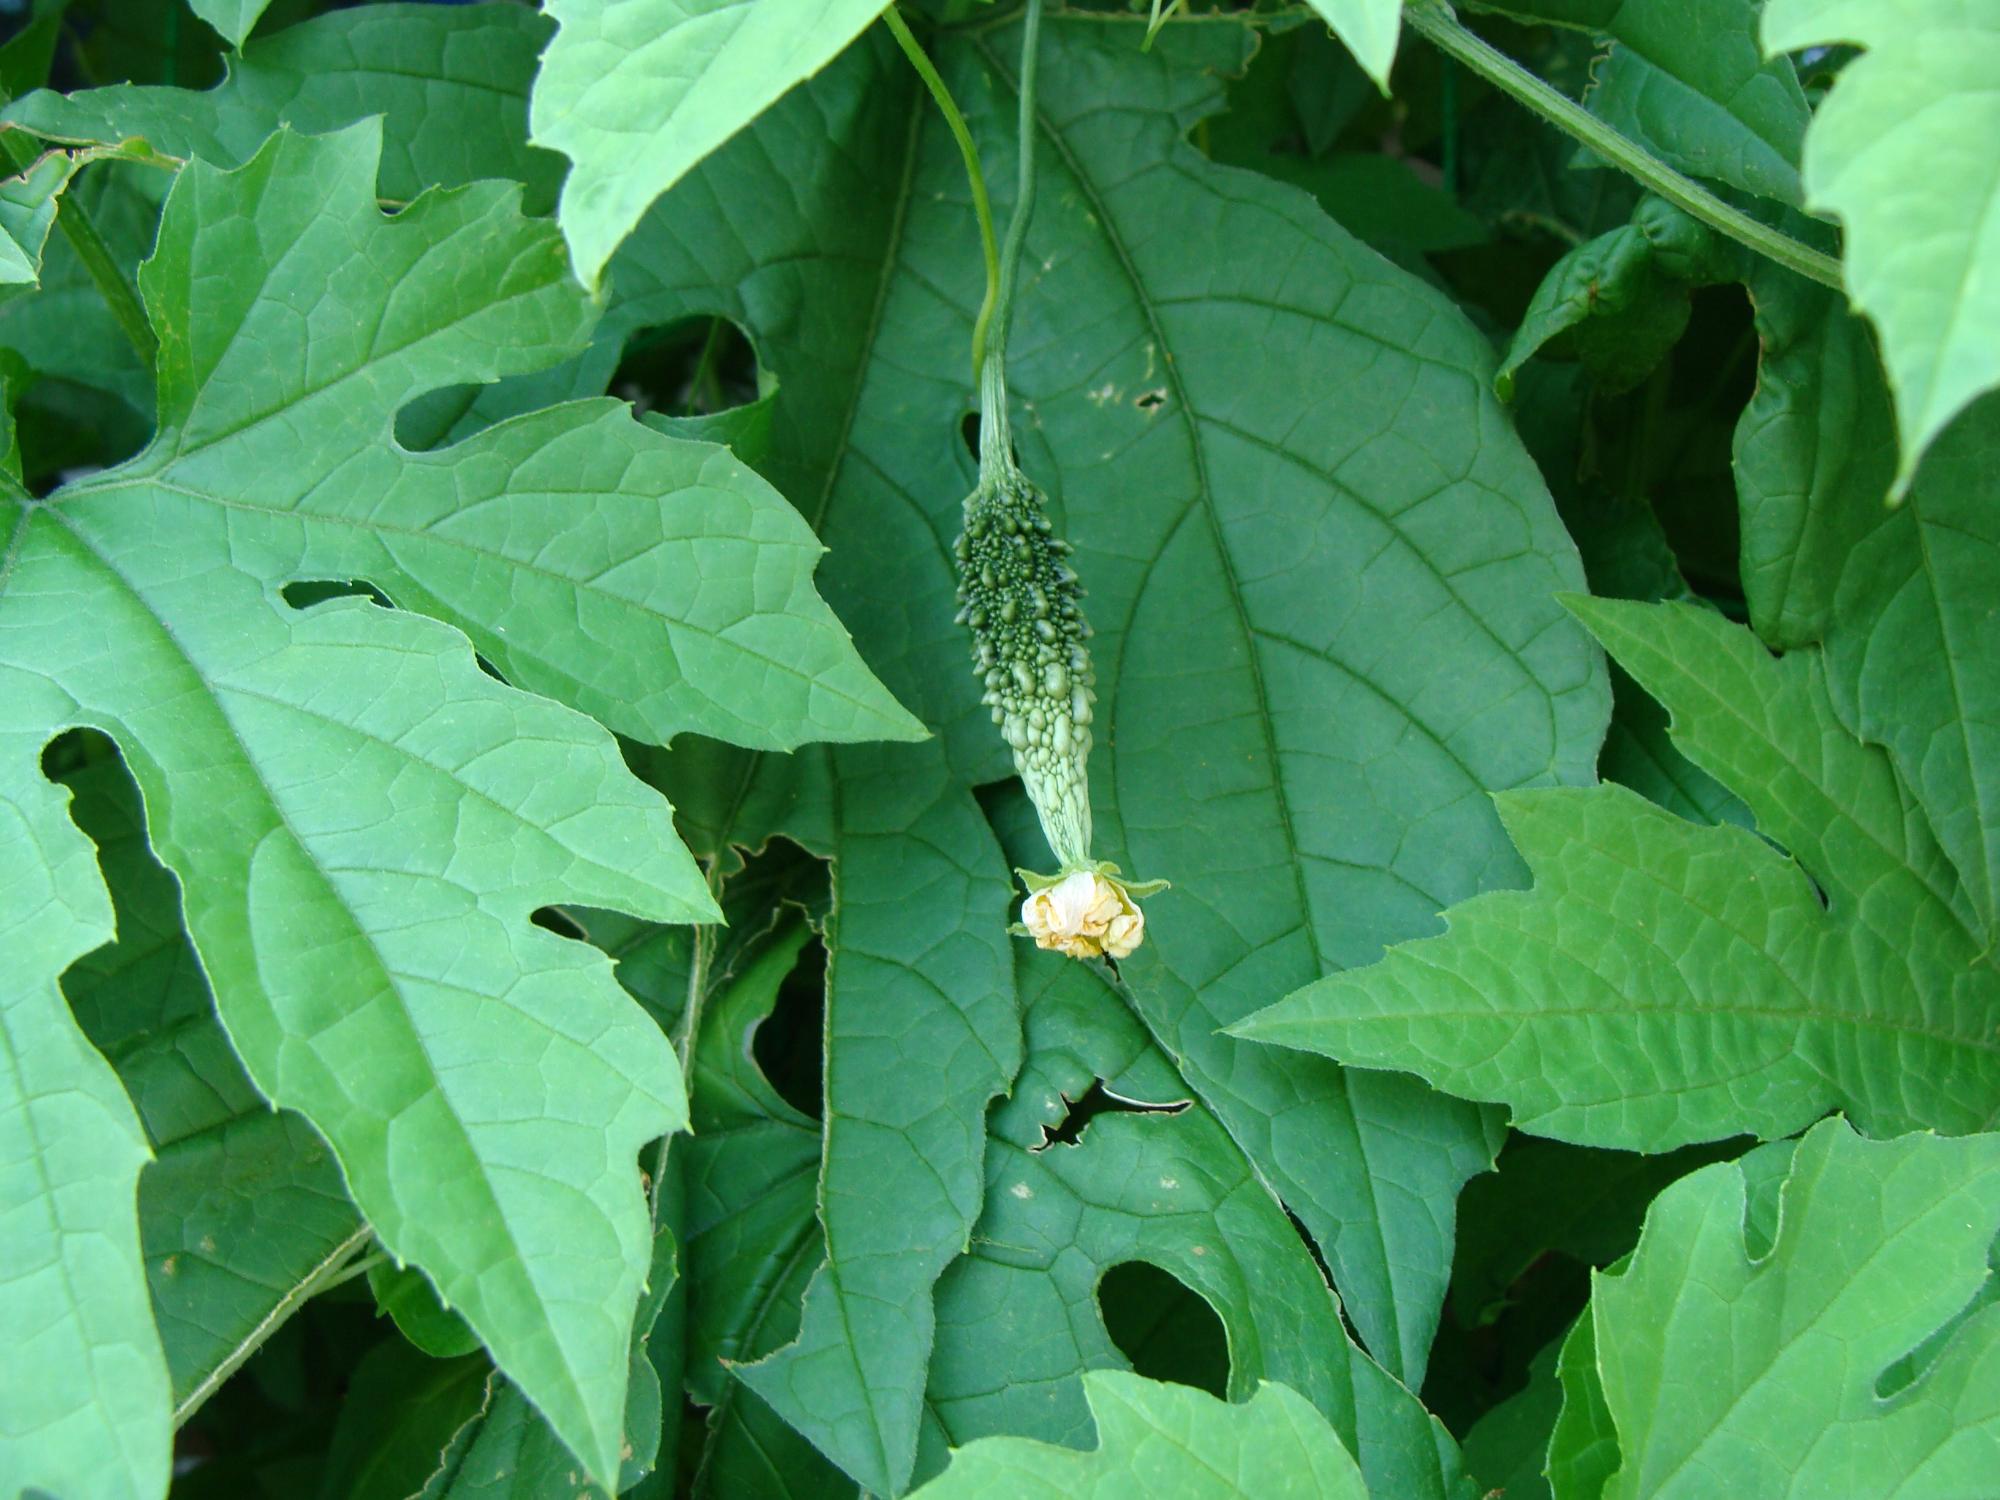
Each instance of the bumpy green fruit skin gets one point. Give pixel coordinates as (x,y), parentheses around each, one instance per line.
(1024,607)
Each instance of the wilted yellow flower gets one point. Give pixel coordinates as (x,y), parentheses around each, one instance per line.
(1084,915)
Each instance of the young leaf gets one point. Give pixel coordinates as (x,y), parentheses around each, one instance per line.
(1900,597)
(1878,1245)
(1622,299)
(1899,152)
(451,84)
(345,782)
(635,92)
(1666,983)
(83,1392)
(1166,1440)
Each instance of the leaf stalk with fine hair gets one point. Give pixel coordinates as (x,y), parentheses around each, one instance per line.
(1438,24)
(76,225)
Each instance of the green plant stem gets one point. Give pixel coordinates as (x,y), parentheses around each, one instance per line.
(688,1032)
(996,444)
(982,207)
(1437,23)
(75,223)
(347,1273)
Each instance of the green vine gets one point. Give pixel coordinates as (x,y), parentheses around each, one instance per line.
(1437,23)
(989,352)
(981,205)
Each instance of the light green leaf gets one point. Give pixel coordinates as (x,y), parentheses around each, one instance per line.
(1369,29)
(1878,1245)
(1343,776)
(1688,79)
(344,781)
(1666,983)
(83,1391)
(1583,1447)
(1901,598)
(1900,150)
(635,92)
(451,83)
(687,604)
(1170,1441)
(233,18)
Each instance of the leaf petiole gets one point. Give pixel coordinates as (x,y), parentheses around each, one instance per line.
(1438,24)
(77,228)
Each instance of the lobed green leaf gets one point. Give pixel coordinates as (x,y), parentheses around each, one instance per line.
(1878,1244)
(635,92)
(1166,1440)
(1667,983)
(1899,152)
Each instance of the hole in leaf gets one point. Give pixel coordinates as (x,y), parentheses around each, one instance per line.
(968,430)
(1098,1100)
(561,923)
(307,592)
(1150,400)
(786,1045)
(695,367)
(146,981)
(1166,1329)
